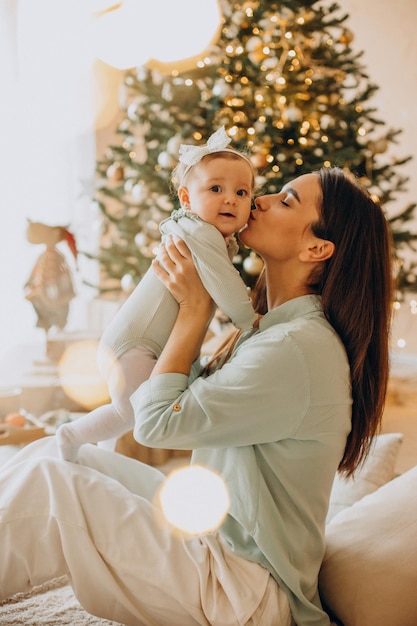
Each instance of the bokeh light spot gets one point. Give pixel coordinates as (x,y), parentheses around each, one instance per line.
(79,376)
(194,500)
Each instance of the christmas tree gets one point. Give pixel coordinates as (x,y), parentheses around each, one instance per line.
(287,85)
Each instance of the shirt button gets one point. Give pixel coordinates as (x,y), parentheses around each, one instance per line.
(177,407)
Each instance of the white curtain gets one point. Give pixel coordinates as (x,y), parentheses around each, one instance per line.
(47,145)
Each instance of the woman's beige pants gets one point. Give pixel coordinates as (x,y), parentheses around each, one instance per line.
(95,521)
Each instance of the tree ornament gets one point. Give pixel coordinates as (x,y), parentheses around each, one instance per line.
(127,283)
(259,160)
(132,112)
(173,145)
(165,203)
(326,121)
(115,172)
(139,192)
(379,146)
(346,37)
(253,264)
(141,240)
(293,114)
(253,43)
(166,160)
(222,89)
(257,56)
(256,49)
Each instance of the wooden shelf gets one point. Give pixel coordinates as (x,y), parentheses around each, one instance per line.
(12,435)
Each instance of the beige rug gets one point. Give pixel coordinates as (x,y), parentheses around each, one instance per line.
(50,604)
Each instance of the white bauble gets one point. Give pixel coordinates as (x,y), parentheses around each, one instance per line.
(165,203)
(127,283)
(222,90)
(165,160)
(294,114)
(173,145)
(139,192)
(141,240)
(253,264)
(132,112)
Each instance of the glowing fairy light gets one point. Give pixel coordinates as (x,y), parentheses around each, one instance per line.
(194,500)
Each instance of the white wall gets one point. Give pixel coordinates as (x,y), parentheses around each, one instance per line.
(385,31)
(47,147)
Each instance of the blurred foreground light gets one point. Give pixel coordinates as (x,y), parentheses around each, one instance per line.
(132,33)
(55,59)
(194,500)
(79,376)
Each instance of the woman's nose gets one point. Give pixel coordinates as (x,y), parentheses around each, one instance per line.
(260,203)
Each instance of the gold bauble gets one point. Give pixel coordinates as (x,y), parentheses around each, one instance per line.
(379,146)
(346,36)
(257,56)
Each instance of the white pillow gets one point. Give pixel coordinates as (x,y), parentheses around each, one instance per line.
(378,469)
(369,573)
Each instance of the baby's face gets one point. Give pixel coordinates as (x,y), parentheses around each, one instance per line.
(219,191)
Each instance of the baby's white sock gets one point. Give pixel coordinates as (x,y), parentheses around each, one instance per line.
(103,423)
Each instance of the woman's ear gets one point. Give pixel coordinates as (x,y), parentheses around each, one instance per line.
(184,197)
(320,250)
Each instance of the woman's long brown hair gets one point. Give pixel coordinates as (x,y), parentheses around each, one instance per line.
(356,288)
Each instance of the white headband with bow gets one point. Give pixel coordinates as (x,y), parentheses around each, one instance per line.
(217,142)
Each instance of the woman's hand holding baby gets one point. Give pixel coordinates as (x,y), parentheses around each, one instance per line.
(176,270)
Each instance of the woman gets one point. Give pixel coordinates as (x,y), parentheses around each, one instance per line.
(299,397)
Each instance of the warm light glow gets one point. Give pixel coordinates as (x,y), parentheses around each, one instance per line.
(119,36)
(79,375)
(194,500)
(136,33)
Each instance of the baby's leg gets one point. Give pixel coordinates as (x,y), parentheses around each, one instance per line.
(114,419)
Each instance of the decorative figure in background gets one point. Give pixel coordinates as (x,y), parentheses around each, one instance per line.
(50,287)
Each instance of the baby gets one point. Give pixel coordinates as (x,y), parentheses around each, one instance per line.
(214,184)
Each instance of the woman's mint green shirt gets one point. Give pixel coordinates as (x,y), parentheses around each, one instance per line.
(273,422)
